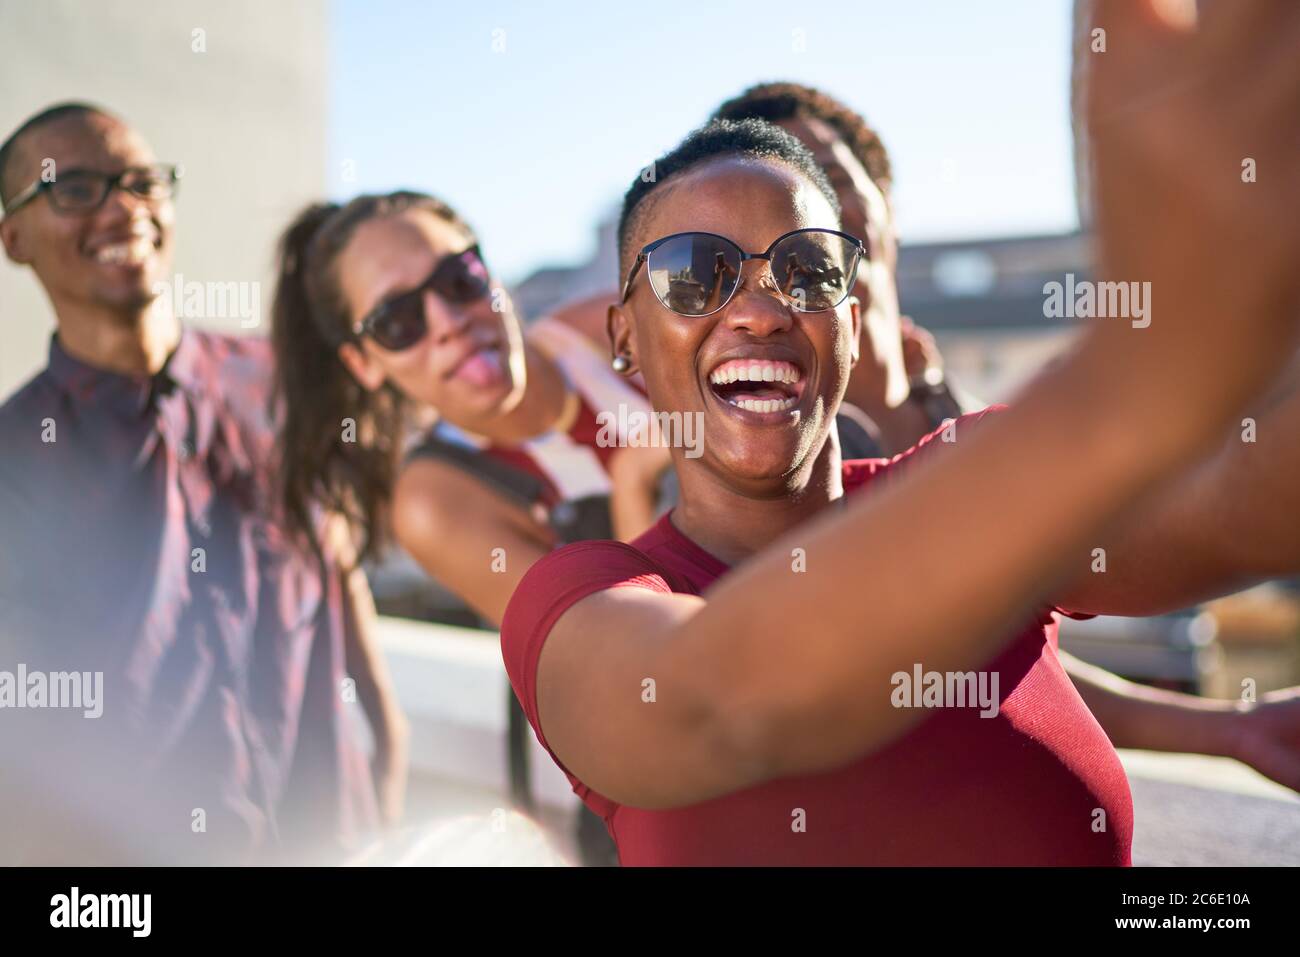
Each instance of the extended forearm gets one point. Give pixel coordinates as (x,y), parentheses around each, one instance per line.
(984,525)
(1151,719)
(1231,521)
(1258,488)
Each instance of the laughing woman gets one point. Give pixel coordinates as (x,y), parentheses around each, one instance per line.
(724,689)
(417,406)
(414,402)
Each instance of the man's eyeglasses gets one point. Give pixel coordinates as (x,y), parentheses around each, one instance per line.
(400,323)
(84,190)
(696,274)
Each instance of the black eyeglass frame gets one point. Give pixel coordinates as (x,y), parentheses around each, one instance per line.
(644,257)
(365,325)
(110,182)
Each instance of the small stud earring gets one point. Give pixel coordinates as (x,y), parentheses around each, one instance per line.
(620,364)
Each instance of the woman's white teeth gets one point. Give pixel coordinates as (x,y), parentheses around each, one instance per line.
(765,405)
(740,371)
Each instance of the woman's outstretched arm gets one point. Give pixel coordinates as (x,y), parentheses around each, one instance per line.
(1231,520)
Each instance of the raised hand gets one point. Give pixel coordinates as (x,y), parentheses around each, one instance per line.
(1195,133)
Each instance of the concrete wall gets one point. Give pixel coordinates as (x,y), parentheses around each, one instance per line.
(246,118)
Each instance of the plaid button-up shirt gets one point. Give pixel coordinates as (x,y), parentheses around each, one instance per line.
(139,540)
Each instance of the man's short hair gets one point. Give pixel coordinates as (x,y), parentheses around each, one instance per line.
(780,101)
(9,149)
(720,138)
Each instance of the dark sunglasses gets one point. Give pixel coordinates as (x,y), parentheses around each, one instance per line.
(696,274)
(400,323)
(84,190)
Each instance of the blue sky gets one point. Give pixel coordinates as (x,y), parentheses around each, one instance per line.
(535,140)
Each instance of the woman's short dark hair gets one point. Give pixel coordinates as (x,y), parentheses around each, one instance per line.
(720,138)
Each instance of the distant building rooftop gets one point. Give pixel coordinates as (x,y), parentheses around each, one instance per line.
(988,283)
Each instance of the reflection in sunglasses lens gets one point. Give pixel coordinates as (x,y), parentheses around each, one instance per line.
(693,275)
(813,269)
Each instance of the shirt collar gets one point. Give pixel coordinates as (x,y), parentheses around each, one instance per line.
(183,368)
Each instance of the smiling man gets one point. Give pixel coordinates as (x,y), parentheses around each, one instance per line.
(140,543)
